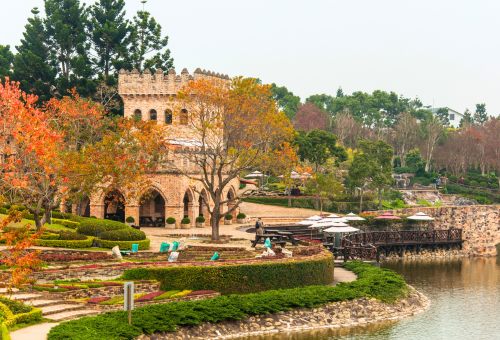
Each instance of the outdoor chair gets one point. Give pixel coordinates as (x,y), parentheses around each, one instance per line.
(135,249)
(164,247)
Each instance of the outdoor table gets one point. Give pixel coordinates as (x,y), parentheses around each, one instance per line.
(276,239)
(328,246)
(148,220)
(287,236)
(337,251)
(271,231)
(160,222)
(330,238)
(318,238)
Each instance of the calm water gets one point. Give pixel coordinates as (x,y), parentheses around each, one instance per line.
(465,304)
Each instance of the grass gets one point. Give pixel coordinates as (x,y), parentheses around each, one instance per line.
(23,222)
(31,323)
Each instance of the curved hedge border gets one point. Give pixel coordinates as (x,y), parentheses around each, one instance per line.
(126,245)
(66,223)
(72,244)
(14,319)
(240,279)
(382,284)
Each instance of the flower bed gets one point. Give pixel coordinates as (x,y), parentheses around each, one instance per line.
(201,292)
(69,258)
(149,296)
(305,239)
(98,300)
(201,248)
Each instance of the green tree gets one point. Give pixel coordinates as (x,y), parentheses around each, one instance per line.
(340,93)
(442,116)
(467,119)
(146,37)
(359,173)
(326,186)
(414,161)
(317,147)
(322,101)
(480,116)
(286,100)
(66,25)
(379,156)
(32,67)
(6,59)
(110,31)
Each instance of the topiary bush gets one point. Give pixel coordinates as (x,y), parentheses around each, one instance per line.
(170,220)
(90,226)
(241,216)
(185,220)
(130,219)
(200,219)
(128,234)
(229,217)
(66,223)
(66,235)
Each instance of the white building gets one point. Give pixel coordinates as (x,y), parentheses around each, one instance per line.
(454,116)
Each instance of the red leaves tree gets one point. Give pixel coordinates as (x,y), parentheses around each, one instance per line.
(310,117)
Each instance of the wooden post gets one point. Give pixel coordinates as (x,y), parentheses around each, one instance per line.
(129,293)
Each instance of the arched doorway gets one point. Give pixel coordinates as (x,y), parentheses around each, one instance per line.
(137,115)
(114,206)
(153,115)
(188,202)
(84,207)
(203,207)
(231,195)
(152,210)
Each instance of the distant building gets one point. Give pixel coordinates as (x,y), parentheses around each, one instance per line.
(454,116)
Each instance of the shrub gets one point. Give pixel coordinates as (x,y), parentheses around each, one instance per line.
(128,234)
(241,216)
(494,186)
(66,235)
(126,245)
(66,223)
(200,219)
(170,220)
(483,184)
(466,181)
(229,217)
(180,294)
(239,279)
(66,243)
(453,178)
(402,170)
(372,282)
(166,295)
(130,219)
(90,226)
(185,220)
(474,183)
(49,236)
(16,307)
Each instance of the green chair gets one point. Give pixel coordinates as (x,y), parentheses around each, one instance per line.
(175,244)
(164,247)
(135,249)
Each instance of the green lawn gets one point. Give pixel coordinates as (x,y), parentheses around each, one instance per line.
(32,223)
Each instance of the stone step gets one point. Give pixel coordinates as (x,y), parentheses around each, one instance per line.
(44,303)
(59,308)
(26,297)
(69,315)
(5,290)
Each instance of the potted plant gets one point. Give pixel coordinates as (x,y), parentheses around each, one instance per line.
(200,222)
(241,218)
(228,219)
(129,221)
(185,223)
(170,223)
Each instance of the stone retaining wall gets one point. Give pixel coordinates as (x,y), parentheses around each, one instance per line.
(425,252)
(340,314)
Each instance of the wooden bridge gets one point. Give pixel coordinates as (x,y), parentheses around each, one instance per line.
(368,245)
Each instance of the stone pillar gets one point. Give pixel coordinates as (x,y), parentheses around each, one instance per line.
(133,211)
(74,207)
(176,211)
(97,210)
(62,206)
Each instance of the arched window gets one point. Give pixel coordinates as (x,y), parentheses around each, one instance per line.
(137,115)
(184,117)
(168,116)
(152,115)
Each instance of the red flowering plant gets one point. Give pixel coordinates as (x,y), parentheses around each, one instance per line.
(97,300)
(149,296)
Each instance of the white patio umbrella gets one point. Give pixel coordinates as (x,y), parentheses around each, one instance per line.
(255,174)
(332,215)
(314,218)
(353,217)
(324,223)
(421,217)
(337,219)
(306,222)
(347,229)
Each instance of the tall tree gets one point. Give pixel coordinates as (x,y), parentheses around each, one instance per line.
(110,31)
(340,93)
(359,174)
(433,133)
(347,129)
(317,147)
(467,120)
(310,117)
(32,66)
(66,24)
(405,136)
(480,116)
(492,144)
(322,101)
(236,124)
(286,100)
(442,116)
(146,37)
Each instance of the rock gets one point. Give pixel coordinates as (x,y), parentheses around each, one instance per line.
(464,201)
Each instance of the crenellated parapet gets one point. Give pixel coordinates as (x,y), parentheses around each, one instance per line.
(134,83)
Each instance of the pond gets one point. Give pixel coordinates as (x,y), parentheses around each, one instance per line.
(465,304)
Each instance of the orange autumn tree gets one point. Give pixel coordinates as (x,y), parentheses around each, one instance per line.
(231,126)
(67,149)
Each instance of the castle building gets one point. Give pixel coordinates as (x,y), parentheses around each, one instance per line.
(152,97)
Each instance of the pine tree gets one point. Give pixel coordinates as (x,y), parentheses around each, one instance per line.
(66,23)
(467,119)
(110,31)
(32,67)
(6,58)
(480,116)
(146,38)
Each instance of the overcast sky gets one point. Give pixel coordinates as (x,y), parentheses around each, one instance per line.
(445,52)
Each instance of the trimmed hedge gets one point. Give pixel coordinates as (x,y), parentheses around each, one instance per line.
(90,226)
(49,236)
(66,243)
(382,284)
(239,279)
(128,234)
(66,223)
(71,236)
(126,245)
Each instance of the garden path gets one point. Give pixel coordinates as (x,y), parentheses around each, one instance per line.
(36,332)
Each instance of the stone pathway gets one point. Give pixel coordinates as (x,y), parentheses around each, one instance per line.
(37,332)
(342,275)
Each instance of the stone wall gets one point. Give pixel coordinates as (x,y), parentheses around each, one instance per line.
(480,225)
(99,292)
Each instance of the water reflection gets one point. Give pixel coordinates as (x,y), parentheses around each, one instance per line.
(465,295)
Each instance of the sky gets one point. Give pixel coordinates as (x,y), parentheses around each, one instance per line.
(444,52)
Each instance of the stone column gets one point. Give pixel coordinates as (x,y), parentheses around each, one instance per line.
(133,211)
(73,208)
(97,210)
(62,206)
(176,211)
